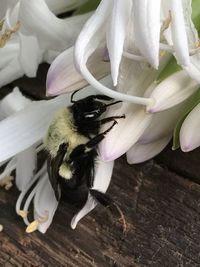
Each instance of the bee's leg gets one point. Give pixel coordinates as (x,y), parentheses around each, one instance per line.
(109,119)
(100,97)
(82,149)
(108,202)
(72,96)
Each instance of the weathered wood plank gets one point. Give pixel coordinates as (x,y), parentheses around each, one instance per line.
(162,213)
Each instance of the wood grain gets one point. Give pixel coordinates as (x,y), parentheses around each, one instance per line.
(161,210)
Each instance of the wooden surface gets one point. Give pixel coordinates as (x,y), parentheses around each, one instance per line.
(161,203)
(161,209)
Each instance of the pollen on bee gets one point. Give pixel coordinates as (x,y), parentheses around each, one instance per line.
(6,35)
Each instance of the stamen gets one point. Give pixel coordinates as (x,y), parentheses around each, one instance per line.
(1,24)
(113,94)
(32,227)
(7,34)
(7,182)
(24,192)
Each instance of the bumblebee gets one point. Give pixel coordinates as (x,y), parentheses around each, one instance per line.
(71,142)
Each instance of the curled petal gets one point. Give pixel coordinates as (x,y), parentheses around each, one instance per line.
(147,29)
(142,152)
(101,182)
(89,39)
(172,91)
(189,133)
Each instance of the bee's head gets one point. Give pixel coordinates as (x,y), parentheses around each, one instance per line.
(88,109)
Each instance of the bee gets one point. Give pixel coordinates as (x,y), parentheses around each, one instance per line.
(71,142)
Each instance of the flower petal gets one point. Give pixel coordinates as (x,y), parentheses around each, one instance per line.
(147,28)
(62,76)
(30,54)
(189,133)
(116,34)
(24,172)
(126,133)
(37,19)
(90,38)
(179,34)
(162,124)
(172,91)
(8,53)
(13,102)
(142,152)
(101,182)
(62,6)
(11,72)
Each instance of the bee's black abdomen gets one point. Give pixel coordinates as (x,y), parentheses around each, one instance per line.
(77,196)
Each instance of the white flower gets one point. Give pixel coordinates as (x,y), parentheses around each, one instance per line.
(145,22)
(138,79)
(22,128)
(37,36)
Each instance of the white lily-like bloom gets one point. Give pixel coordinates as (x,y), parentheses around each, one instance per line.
(130,135)
(22,127)
(32,34)
(155,25)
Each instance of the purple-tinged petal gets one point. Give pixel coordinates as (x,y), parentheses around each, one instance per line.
(141,152)
(63,77)
(172,91)
(189,133)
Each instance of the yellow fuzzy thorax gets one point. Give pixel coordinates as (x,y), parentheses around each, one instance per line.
(62,130)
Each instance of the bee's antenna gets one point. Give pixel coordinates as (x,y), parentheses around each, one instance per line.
(73,101)
(113,103)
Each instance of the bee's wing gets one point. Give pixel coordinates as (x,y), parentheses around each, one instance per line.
(53,165)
